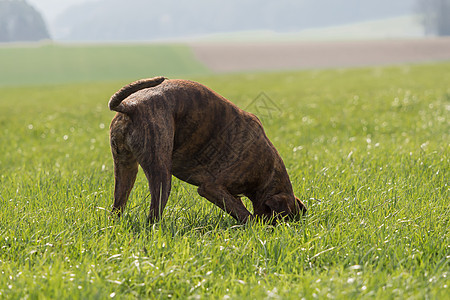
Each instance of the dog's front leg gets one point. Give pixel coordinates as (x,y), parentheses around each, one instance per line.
(227,202)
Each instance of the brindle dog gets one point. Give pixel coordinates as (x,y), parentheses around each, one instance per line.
(182,128)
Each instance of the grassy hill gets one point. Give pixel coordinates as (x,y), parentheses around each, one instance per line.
(390,28)
(366,149)
(55,64)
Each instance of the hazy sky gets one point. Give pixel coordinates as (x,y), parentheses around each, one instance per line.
(51,8)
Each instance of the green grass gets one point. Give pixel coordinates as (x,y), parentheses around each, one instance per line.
(366,149)
(56,64)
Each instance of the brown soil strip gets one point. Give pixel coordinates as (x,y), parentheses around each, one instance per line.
(237,57)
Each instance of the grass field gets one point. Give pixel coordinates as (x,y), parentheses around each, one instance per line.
(56,64)
(366,149)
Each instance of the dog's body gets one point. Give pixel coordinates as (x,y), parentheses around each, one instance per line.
(183,128)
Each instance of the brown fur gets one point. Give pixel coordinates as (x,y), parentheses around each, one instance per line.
(182,128)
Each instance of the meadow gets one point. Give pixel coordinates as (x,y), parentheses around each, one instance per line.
(367,150)
(62,63)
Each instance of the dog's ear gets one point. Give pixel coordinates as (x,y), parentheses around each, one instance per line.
(301,206)
(279,204)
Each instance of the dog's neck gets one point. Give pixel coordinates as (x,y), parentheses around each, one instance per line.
(279,184)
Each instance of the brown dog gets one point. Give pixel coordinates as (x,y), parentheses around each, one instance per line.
(182,128)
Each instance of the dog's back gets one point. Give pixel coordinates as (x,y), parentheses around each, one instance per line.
(211,135)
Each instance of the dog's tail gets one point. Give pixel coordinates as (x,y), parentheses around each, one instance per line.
(115,103)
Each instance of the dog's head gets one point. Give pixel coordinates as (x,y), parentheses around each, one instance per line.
(282,206)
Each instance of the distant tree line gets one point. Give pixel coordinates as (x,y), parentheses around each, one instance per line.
(436,16)
(19,21)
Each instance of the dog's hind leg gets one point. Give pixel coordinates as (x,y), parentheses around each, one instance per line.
(159,182)
(153,150)
(125,170)
(227,202)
